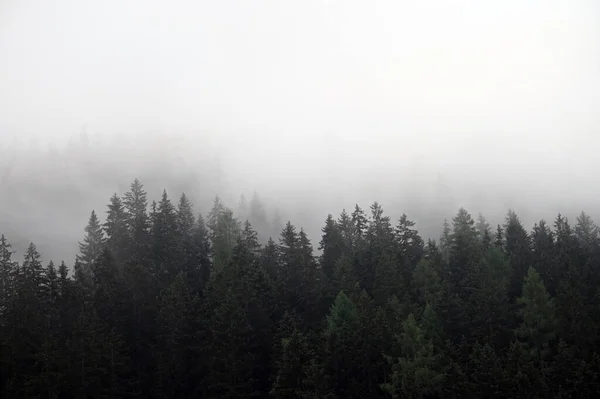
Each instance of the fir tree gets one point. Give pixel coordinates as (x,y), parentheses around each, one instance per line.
(138,223)
(92,245)
(292,367)
(166,249)
(331,246)
(414,373)
(518,249)
(538,326)
(115,228)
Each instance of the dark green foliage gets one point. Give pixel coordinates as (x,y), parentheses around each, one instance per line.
(518,248)
(292,367)
(416,372)
(538,326)
(115,228)
(92,245)
(331,245)
(178,340)
(167,252)
(138,223)
(162,304)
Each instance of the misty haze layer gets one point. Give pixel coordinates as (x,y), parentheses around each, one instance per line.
(423,106)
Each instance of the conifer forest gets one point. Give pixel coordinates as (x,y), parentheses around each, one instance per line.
(168,301)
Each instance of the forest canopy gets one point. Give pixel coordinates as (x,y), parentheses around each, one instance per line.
(164,301)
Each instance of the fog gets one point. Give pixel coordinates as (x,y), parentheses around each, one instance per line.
(424,106)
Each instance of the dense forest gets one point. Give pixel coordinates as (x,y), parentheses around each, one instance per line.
(164,302)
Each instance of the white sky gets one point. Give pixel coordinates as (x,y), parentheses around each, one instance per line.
(494,93)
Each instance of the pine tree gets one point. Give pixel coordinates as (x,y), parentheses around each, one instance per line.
(359,222)
(166,248)
(485,371)
(410,247)
(29,327)
(542,242)
(346,229)
(460,276)
(414,373)
(331,246)
(344,276)
(484,231)
(8,314)
(7,276)
(290,270)
(538,326)
(92,245)
(138,223)
(312,282)
(446,241)
(179,345)
(381,274)
(225,234)
(341,348)
(115,228)
(427,284)
(200,258)
(518,249)
(489,299)
(185,217)
(499,238)
(292,367)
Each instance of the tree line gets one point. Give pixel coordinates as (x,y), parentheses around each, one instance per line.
(162,302)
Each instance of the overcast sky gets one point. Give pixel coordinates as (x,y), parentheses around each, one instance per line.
(496,94)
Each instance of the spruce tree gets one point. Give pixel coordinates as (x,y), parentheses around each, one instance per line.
(341,348)
(7,275)
(292,367)
(415,373)
(331,246)
(538,317)
(518,249)
(92,245)
(115,228)
(166,246)
(179,341)
(138,223)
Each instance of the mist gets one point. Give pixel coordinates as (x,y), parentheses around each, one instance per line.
(316,105)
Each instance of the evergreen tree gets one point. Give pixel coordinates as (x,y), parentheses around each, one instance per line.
(92,245)
(485,373)
(115,228)
(166,249)
(331,245)
(138,223)
(381,275)
(518,249)
(538,326)
(499,238)
(414,373)
(199,262)
(178,337)
(7,275)
(427,284)
(185,218)
(446,241)
(410,247)
(292,367)
(226,230)
(484,231)
(344,276)
(359,221)
(341,348)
